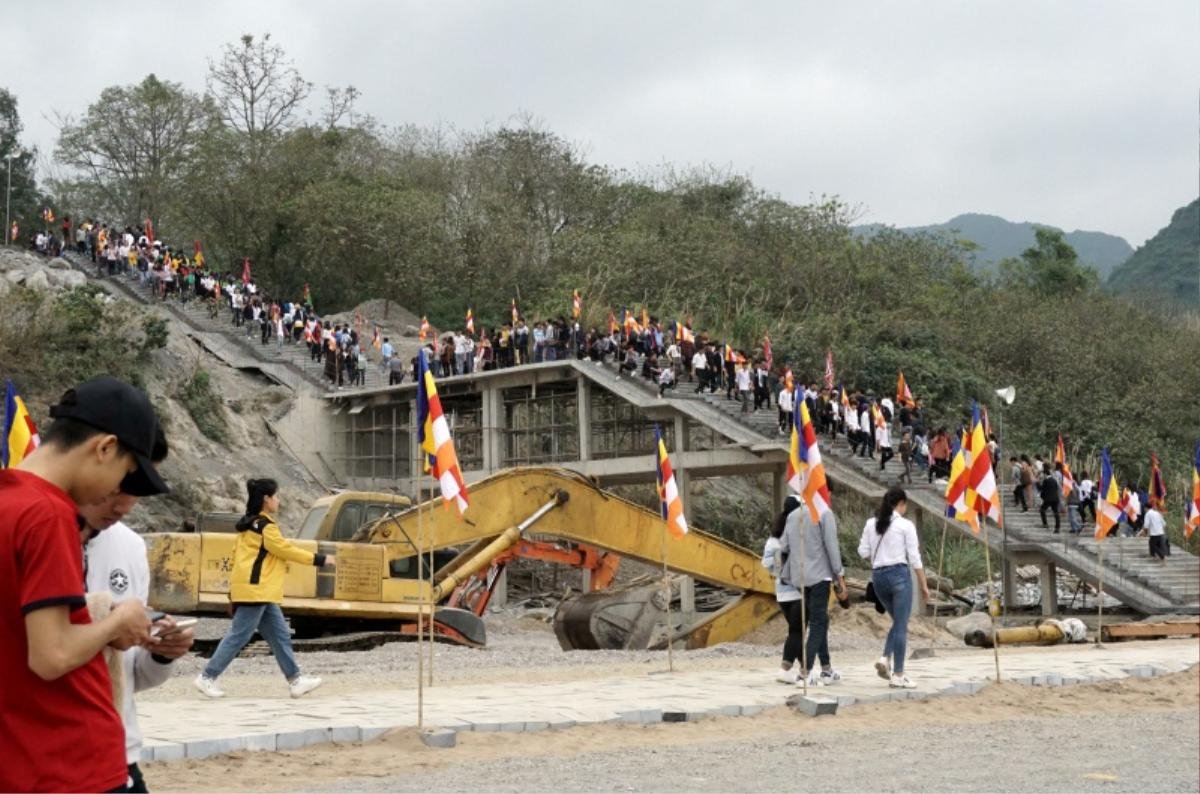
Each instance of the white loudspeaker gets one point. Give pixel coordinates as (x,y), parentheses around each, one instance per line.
(1008,394)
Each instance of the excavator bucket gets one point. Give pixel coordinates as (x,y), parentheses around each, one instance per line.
(623,618)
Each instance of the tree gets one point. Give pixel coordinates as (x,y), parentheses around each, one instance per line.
(134,144)
(1050,267)
(24,197)
(258,92)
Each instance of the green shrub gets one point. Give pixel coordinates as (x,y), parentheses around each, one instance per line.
(204,406)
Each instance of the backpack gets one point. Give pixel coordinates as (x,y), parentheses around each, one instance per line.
(1026,476)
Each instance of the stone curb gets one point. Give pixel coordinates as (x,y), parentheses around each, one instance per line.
(159,750)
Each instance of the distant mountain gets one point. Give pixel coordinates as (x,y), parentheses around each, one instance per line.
(1168,265)
(999,239)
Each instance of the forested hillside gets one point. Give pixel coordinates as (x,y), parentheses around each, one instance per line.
(442,220)
(1168,265)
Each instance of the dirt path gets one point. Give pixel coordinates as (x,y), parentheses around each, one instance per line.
(1128,735)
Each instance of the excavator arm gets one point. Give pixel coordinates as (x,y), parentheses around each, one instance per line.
(563,505)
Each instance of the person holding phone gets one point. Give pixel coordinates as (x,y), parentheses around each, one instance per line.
(115,561)
(256,589)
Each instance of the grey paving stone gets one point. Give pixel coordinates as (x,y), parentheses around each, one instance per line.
(1039,680)
(439,737)
(206,748)
(750,711)
(814,705)
(258,742)
(511,727)
(537,726)
(846,700)
(370,734)
(345,734)
(1053,679)
(169,752)
(562,725)
(731,711)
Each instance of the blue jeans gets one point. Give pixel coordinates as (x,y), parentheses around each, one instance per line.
(893,586)
(268,620)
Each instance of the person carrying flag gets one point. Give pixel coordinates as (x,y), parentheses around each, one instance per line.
(1191,516)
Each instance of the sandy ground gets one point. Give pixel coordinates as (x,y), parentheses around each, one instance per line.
(1129,735)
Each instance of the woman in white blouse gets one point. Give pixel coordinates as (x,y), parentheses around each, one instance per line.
(889,541)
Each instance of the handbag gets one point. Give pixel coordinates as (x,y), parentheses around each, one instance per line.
(870,596)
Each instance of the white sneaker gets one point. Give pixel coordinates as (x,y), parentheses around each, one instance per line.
(902,682)
(830,676)
(814,679)
(883,669)
(303,684)
(208,687)
(786,676)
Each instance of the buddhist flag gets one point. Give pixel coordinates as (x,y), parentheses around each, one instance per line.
(829,368)
(795,464)
(982,494)
(877,415)
(729,352)
(1192,514)
(433,438)
(686,334)
(149,224)
(423,331)
(1060,456)
(768,356)
(1158,489)
(612,323)
(470,322)
(630,324)
(20,433)
(903,393)
(845,396)
(515,315)
(307,293)
(1108,501)
(576,304)
(813,484)
(376,342)
(645,319)
(668,491)
(956,488)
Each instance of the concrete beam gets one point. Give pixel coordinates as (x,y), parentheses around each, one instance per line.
(583,408)
(1049,583)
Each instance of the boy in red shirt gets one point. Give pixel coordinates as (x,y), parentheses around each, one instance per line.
(59,729)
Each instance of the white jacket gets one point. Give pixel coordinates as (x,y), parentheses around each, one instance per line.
(115,560)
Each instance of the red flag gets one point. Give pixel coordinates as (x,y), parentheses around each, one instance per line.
(903,394)
(245,271)
(770,358)
(149,230)
(1158,489)
(612,323)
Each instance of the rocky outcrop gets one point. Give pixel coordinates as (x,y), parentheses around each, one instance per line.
(36,272)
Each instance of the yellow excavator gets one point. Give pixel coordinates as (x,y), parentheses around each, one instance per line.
(543,513)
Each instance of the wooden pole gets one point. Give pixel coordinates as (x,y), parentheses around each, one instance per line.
(420,614)
(432,606)
(941,569)
(1100,591)
(667,595)
(803,607)
(987,559)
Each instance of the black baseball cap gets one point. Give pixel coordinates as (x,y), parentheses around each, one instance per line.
(113,406)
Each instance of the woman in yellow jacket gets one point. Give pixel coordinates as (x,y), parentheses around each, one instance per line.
(256,589)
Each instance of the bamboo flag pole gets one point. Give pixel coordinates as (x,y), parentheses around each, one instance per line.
(1100,592)
(432,605)
(941,570)
(667,595)
(987,559)
(803,605)
(420,614)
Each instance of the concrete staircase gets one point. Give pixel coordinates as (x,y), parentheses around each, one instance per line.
(1128,572)
(290,365)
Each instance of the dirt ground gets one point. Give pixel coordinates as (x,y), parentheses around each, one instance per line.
(1138,735)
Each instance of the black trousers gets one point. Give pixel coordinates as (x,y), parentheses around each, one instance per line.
(795,635)
(1019,497)
(817,616)
(885,454)
(1158,546)
(1053,507)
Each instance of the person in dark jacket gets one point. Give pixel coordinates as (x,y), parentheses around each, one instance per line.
(1051,493)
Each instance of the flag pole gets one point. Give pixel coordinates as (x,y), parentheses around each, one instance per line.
(420,611)
(432,605)
(803,610)
(1100,590)
(941,569)
(987,559)
(667,589)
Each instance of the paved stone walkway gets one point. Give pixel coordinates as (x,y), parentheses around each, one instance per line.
(197,728)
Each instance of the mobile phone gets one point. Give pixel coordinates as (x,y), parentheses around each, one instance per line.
(180,625)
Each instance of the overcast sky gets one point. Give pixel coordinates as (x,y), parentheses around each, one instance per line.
(1078,114)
